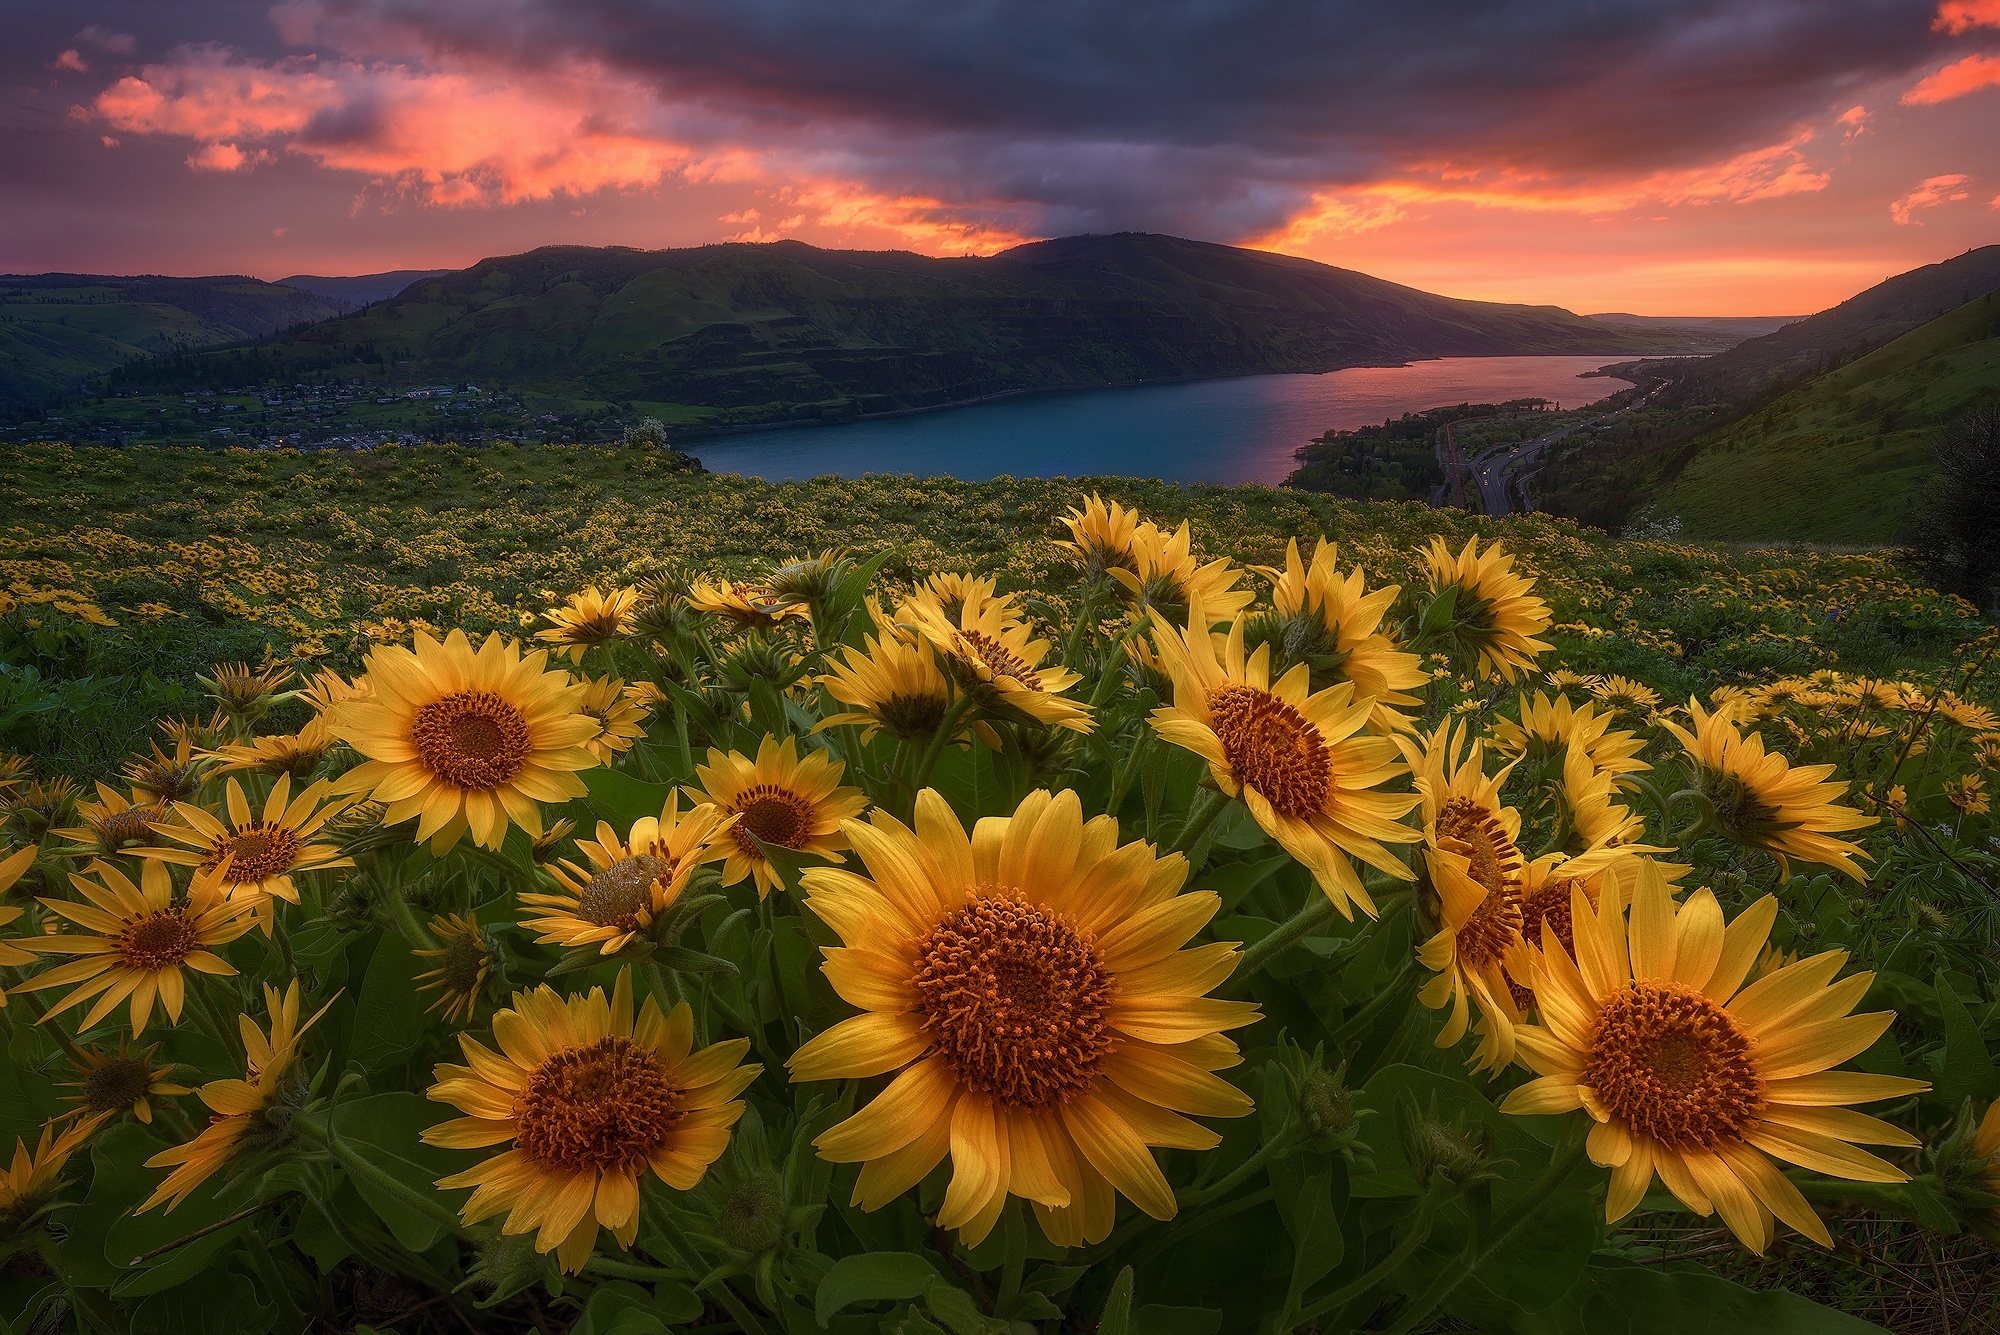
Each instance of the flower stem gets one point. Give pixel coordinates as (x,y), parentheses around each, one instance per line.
(1419,1233)
(1318,911)
(406,918)
(684,1252)
(1209,804)
(204,1001)
(920,777)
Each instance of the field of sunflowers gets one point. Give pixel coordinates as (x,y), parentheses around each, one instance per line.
(505,891)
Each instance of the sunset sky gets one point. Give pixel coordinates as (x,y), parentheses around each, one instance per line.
(1740,157)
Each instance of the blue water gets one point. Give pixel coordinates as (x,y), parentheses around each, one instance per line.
(1238,430)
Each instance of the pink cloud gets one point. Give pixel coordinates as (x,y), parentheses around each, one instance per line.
(1955,80)
(1957,16)
(105,39)
(71,61)
(1934,190)
(1856,121)
(219,158)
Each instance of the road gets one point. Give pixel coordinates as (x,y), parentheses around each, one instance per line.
(1494,471)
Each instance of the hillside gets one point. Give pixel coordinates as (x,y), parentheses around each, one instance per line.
(359,289)
(1866,320)
(739,333)
(1840,458)
(57,330)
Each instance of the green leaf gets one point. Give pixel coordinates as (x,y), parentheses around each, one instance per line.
(1117,1316)
(377,1140)
(870,1278)
(219,1303)
(1619,1298)
(1156,1319)
(1312,1216)
(1968,1070)
(955,1308)
(619,1307)
(622,799)
(388,1017)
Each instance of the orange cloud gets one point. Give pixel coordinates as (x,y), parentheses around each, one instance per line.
(1934,190)
(1955,80)
(1957,16)
(70,60)
(219,158)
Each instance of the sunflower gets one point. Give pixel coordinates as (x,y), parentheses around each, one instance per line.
(263,851)
(239,1105)
(1987,750)
(1986,1147)
(1761,801)
(1864,693)
(590,1100)
(1474,864)
(629,881)
(43,805)
(463,962)
(12,868)
(32,1180)
(1029,986)
(245,693)
(160,778)
(1339,625)
(1562,679)
(1165,577)
(1972,717)
(328,688)
(895,686)
(293,755)
(1103,535)
(997,663)
(747,606)
(812,580)
(113,824)
(1546,889)
(621,712)
(1622,695)
(1967,792)
(955,593)
(462,740)
(588,619)
(1551,727)
(136,939)
(777,799)
(110,1084)
(1692,1075)
(1593,816)
(1293,755)
(1495,619)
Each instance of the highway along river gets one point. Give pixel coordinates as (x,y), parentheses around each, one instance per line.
(1243,429)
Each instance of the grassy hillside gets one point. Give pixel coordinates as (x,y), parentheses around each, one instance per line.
(734,334)
(1841,458)
(57,330)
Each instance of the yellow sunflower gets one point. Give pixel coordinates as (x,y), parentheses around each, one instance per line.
(747,606)
(111,1084)
(463,963)
(997,662)
(1029,986)
(894,685)
(1495,618)
(777,799)
(12,868)
(591,1099)
(1967,792)
(1343,624)
(113,824)
(264,851)
(160,778)
(588,619)
(1594,817)
(294,755)
(1474,864)
(1165,577)
(629,881)
(1551,727)
(1986,1146)
(1622,695)
(1763,801)
(1693,1076)
(238,1105)
(621,712)
(1986,750)
(462,740)
(1102,534)
(31,1181)
(1296,757)
(955,593)
(136,939)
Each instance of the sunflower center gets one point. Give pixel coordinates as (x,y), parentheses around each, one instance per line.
(1473,830)
(605,1107)
(474,739)
(913,715)
(616,896)
(1015,1000)
(1674,1065)
(464,963)
(1549,903)
(117,1085)
(774,815)
(1494,926)
(1273,748)
(1739,810)
(259,851)
(1000,660)
(156,941)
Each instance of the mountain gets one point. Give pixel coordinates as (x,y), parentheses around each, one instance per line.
(360,289)
(1868,320)
(1742,326)
(748,333)
(58,329)
(1840,458)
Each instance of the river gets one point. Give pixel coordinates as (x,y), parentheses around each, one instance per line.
(1242,429)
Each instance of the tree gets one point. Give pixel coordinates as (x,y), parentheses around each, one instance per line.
(651,432)
(1958,534)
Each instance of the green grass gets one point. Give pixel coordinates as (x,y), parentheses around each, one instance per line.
(1842,459)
